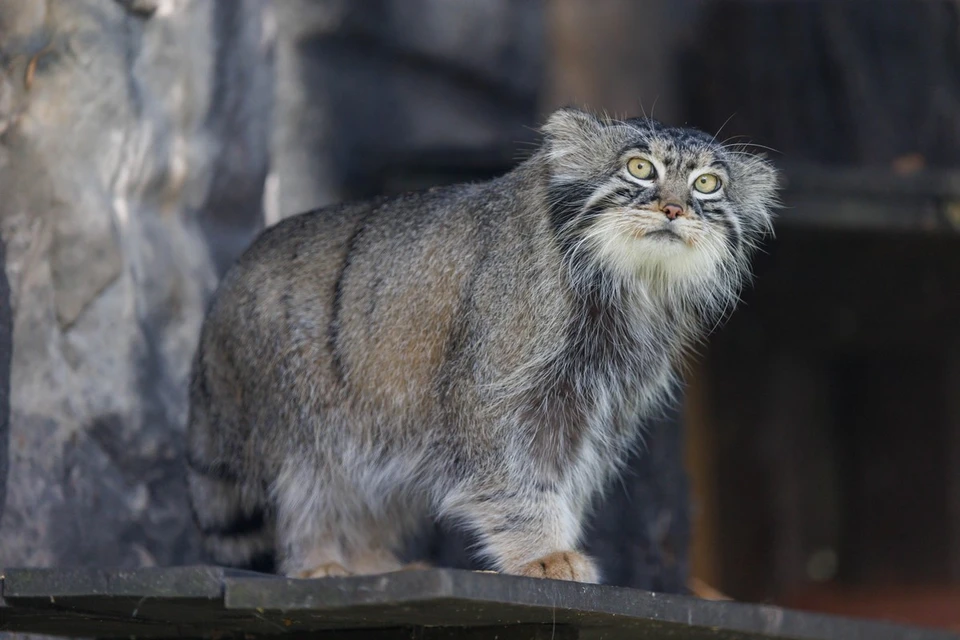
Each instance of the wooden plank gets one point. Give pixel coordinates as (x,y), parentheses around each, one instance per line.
(80,625)
(416,604)
(871,199)
(871,181)
(172,582)
(150,602)
(447,597)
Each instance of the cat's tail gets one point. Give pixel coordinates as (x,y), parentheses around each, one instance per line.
(231,512)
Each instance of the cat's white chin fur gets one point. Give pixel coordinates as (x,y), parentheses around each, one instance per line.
(691,258)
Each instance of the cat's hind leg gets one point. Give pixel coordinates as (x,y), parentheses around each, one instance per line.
(326,527)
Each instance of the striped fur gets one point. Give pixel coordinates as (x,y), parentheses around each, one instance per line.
(485,353)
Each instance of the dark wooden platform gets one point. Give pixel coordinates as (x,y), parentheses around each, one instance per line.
(214,603)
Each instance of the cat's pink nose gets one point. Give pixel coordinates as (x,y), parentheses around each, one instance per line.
(672,210)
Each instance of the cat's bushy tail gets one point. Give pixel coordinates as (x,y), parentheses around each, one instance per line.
(232,513)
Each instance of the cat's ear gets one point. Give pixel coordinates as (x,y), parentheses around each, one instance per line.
(572,138)
(571,126)
(756,184)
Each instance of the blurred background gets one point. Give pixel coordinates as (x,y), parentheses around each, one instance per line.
(815,460)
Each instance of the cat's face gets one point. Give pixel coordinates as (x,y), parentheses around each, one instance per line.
(647,200)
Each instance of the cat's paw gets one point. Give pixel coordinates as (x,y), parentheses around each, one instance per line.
(416,566)
(325,570)
(562,565)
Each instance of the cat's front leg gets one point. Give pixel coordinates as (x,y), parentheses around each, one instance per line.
(526,528)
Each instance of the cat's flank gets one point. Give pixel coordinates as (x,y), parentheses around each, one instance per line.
(485,353)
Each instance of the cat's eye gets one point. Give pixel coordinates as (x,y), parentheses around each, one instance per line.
(706,183)
(641,168)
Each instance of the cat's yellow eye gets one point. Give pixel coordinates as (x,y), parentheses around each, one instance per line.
(641,168)
(706,183)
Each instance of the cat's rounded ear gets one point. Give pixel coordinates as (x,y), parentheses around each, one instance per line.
(756,185)
(569,125)
(762,175)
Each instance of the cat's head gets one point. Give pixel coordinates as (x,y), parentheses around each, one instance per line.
(670,205)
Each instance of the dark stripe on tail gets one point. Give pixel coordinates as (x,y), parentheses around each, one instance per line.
(241,524)
(236,533)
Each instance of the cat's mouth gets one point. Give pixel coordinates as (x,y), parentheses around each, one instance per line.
(665,233)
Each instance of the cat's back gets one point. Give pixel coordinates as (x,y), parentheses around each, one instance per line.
(290,264)
(385,230)
(306,254)
(365,292)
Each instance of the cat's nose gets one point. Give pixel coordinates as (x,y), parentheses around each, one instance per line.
(672,210)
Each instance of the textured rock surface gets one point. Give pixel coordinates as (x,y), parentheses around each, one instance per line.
(133,152)
(6,348)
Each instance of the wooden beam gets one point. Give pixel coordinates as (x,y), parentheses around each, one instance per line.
(197,602)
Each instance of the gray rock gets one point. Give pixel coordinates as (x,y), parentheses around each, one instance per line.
(6,348)
(133,153)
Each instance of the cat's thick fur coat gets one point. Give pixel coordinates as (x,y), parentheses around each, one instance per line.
(485,353)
